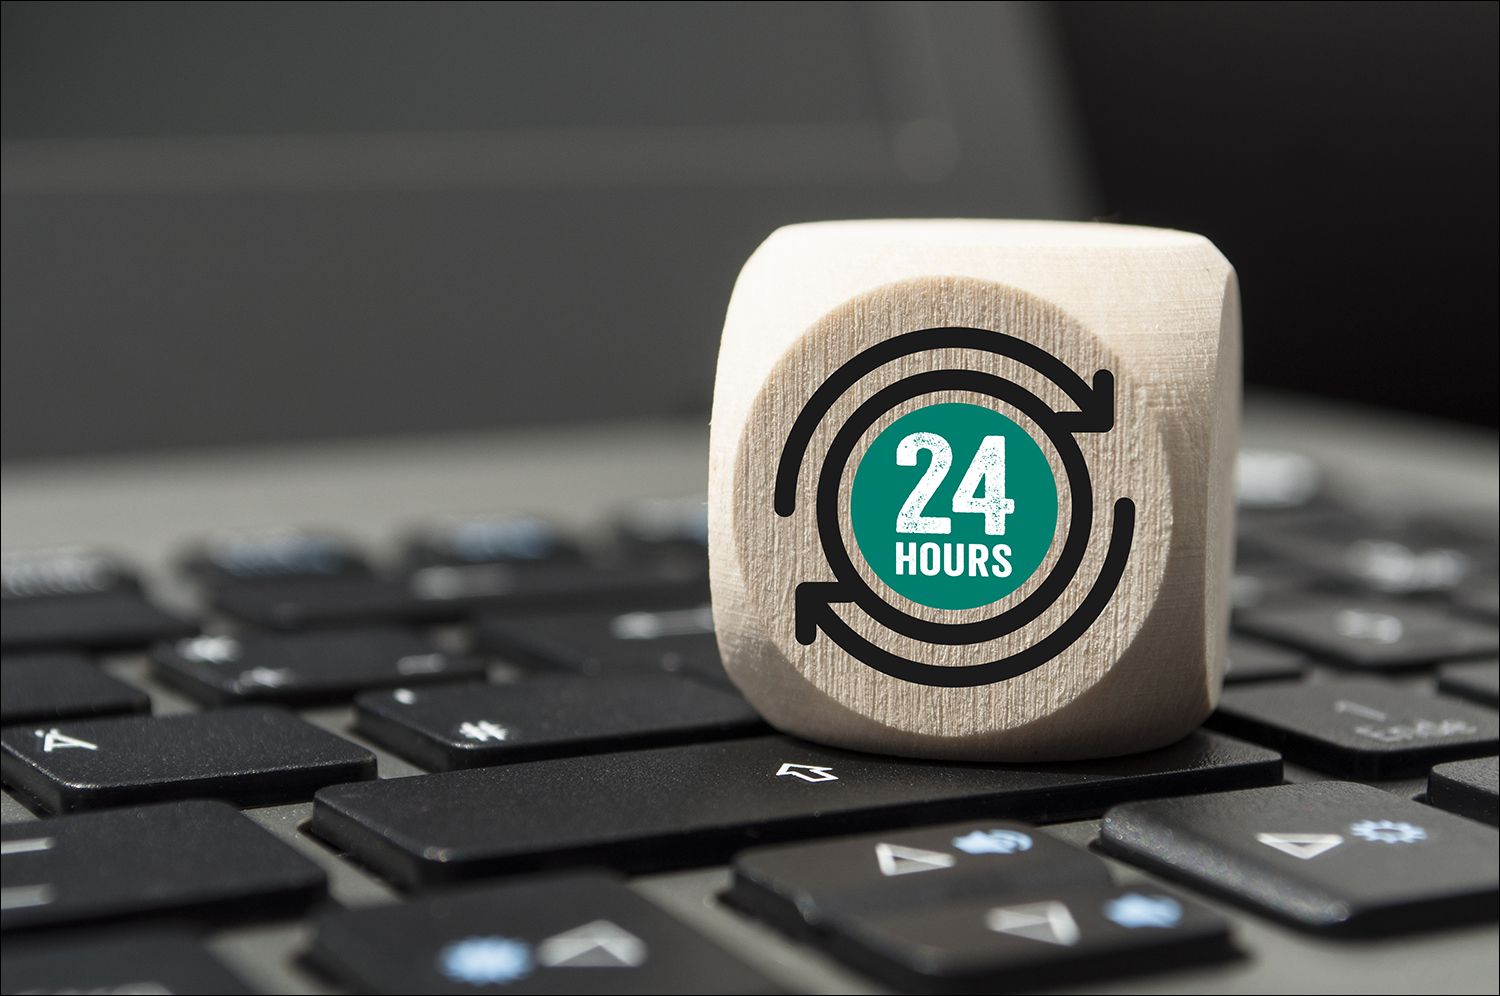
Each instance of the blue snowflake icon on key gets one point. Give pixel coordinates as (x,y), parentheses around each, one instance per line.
(484,961)
(1134,910)
(993,842)
(1388,832)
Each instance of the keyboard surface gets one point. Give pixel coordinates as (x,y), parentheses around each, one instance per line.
(412,746)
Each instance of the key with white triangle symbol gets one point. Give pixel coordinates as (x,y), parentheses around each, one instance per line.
(250,755)
(1336,857)
(598,944)
(799,886)
(1050,922)
(1301,845)
(1028,940)
(566,933)
(897,860)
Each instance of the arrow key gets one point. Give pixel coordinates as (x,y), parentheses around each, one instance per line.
(1332,857)
(799,887)
(1029,940)
(575,933)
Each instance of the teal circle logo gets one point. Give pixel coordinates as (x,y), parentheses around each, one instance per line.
(954,506)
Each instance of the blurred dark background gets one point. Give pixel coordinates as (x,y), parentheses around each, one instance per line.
(246,223)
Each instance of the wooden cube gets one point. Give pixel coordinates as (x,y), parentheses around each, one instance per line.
(971,485)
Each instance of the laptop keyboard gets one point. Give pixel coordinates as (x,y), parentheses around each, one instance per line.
(514,763)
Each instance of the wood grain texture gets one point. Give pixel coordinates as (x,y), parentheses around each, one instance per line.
(1159,309)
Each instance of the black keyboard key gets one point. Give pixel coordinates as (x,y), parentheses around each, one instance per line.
(304,668)
(1279,583)
(195,858)
(341,600)
(272,554)
(137,963)
(1479,597)
(62,684)
(1326,856)
(668,527)
(802,887)
(110,621)
(1415,558)
(1027,941)
(1372,634)
(70,570)
(1256,660)
(75,597)
(453,542)
(472,725)
(1358,729)
(1468,788)
(1477,682)
(682,806)
(676,641)
(435,594)
(252,755)
(564,934)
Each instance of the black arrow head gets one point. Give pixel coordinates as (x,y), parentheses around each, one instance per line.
(812,606)
(1096,411)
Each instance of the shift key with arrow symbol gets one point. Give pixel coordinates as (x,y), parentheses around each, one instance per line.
(697,804)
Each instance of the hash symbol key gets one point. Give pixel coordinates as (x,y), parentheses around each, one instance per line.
(1358,729)
(472,725)
(253,755)
(1332,857)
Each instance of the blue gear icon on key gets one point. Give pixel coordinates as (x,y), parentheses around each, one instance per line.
(993,842)
(1134,910)
(1387,832)
(483,961)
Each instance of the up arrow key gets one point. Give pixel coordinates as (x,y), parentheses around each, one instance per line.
(807,772)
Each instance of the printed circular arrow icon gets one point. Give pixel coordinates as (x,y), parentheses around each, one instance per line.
(814,600)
